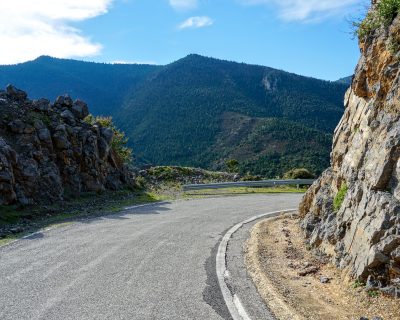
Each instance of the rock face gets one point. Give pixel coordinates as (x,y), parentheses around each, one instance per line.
(363,233)
(47,150)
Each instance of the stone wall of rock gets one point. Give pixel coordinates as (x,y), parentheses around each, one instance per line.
(364,234)
(48,151)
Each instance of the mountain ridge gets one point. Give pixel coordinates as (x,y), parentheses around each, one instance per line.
(174,114)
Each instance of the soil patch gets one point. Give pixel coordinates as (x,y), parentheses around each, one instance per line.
(296,284)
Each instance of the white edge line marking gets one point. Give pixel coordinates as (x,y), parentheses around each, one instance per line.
(145,205)
(233,303)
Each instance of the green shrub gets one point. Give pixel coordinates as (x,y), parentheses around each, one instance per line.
(374,294)
(249,177)
(387,10)
(339,198)
(299,173)
(393,45)
(382,15)
(358,284)
(232,165)
(119,141)
(140,182)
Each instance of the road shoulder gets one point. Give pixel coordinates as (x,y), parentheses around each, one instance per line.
(240,294)
(297,285)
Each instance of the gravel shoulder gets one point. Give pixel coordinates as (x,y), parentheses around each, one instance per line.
(296,285)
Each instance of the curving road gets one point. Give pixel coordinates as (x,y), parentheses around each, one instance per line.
(150,262)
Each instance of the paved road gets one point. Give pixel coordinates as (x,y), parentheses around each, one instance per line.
(152,262)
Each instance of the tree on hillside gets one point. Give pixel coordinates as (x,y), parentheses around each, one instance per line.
(232,165)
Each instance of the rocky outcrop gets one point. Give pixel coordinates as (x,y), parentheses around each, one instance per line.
(48,151)
(362,232)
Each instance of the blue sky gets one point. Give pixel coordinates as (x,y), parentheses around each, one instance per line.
(308,37)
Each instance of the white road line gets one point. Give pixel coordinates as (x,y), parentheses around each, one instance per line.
(232,301)
(146,205)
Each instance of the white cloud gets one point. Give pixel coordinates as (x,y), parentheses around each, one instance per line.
(196,22)
(29,28)
(183,4)
(303,10)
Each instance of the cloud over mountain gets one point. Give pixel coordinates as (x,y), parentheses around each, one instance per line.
(44,27)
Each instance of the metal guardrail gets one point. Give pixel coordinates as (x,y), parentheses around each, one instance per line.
(262,183)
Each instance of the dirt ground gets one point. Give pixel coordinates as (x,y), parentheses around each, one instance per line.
(277,259)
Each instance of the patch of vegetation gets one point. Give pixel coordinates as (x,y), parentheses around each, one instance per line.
(381,16)
(339,198)
(119,140)
(300,173)
(232,165)
(11,214)
(393,45)
(172,174)
(166,173)
(33,117)
(358,284)
(140,182)
(374,293)
(250,177)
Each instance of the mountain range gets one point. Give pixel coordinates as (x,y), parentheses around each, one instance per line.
(201,111)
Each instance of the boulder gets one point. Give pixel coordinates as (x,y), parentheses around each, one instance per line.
(107,134)
(64,101)
(41,105)
(16,94)
(68,116)
(80,109)
(44,135)
(17,126)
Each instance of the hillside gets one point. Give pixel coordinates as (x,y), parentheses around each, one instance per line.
(346,80)
(101,85)
(178,114)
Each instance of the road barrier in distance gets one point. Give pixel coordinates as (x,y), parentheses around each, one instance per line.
(248,184)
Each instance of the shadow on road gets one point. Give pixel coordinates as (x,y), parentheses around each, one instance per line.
(147,209)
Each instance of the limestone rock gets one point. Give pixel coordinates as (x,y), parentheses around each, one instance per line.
(363,235)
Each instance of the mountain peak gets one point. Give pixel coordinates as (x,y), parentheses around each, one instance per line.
(44,58)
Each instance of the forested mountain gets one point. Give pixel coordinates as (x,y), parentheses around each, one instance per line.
(346,80)
(201,111)
(103,86)
(179,116)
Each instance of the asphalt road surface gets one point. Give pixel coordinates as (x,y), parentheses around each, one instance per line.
(151,262)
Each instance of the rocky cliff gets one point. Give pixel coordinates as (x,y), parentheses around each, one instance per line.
(352,213)
(48,150)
